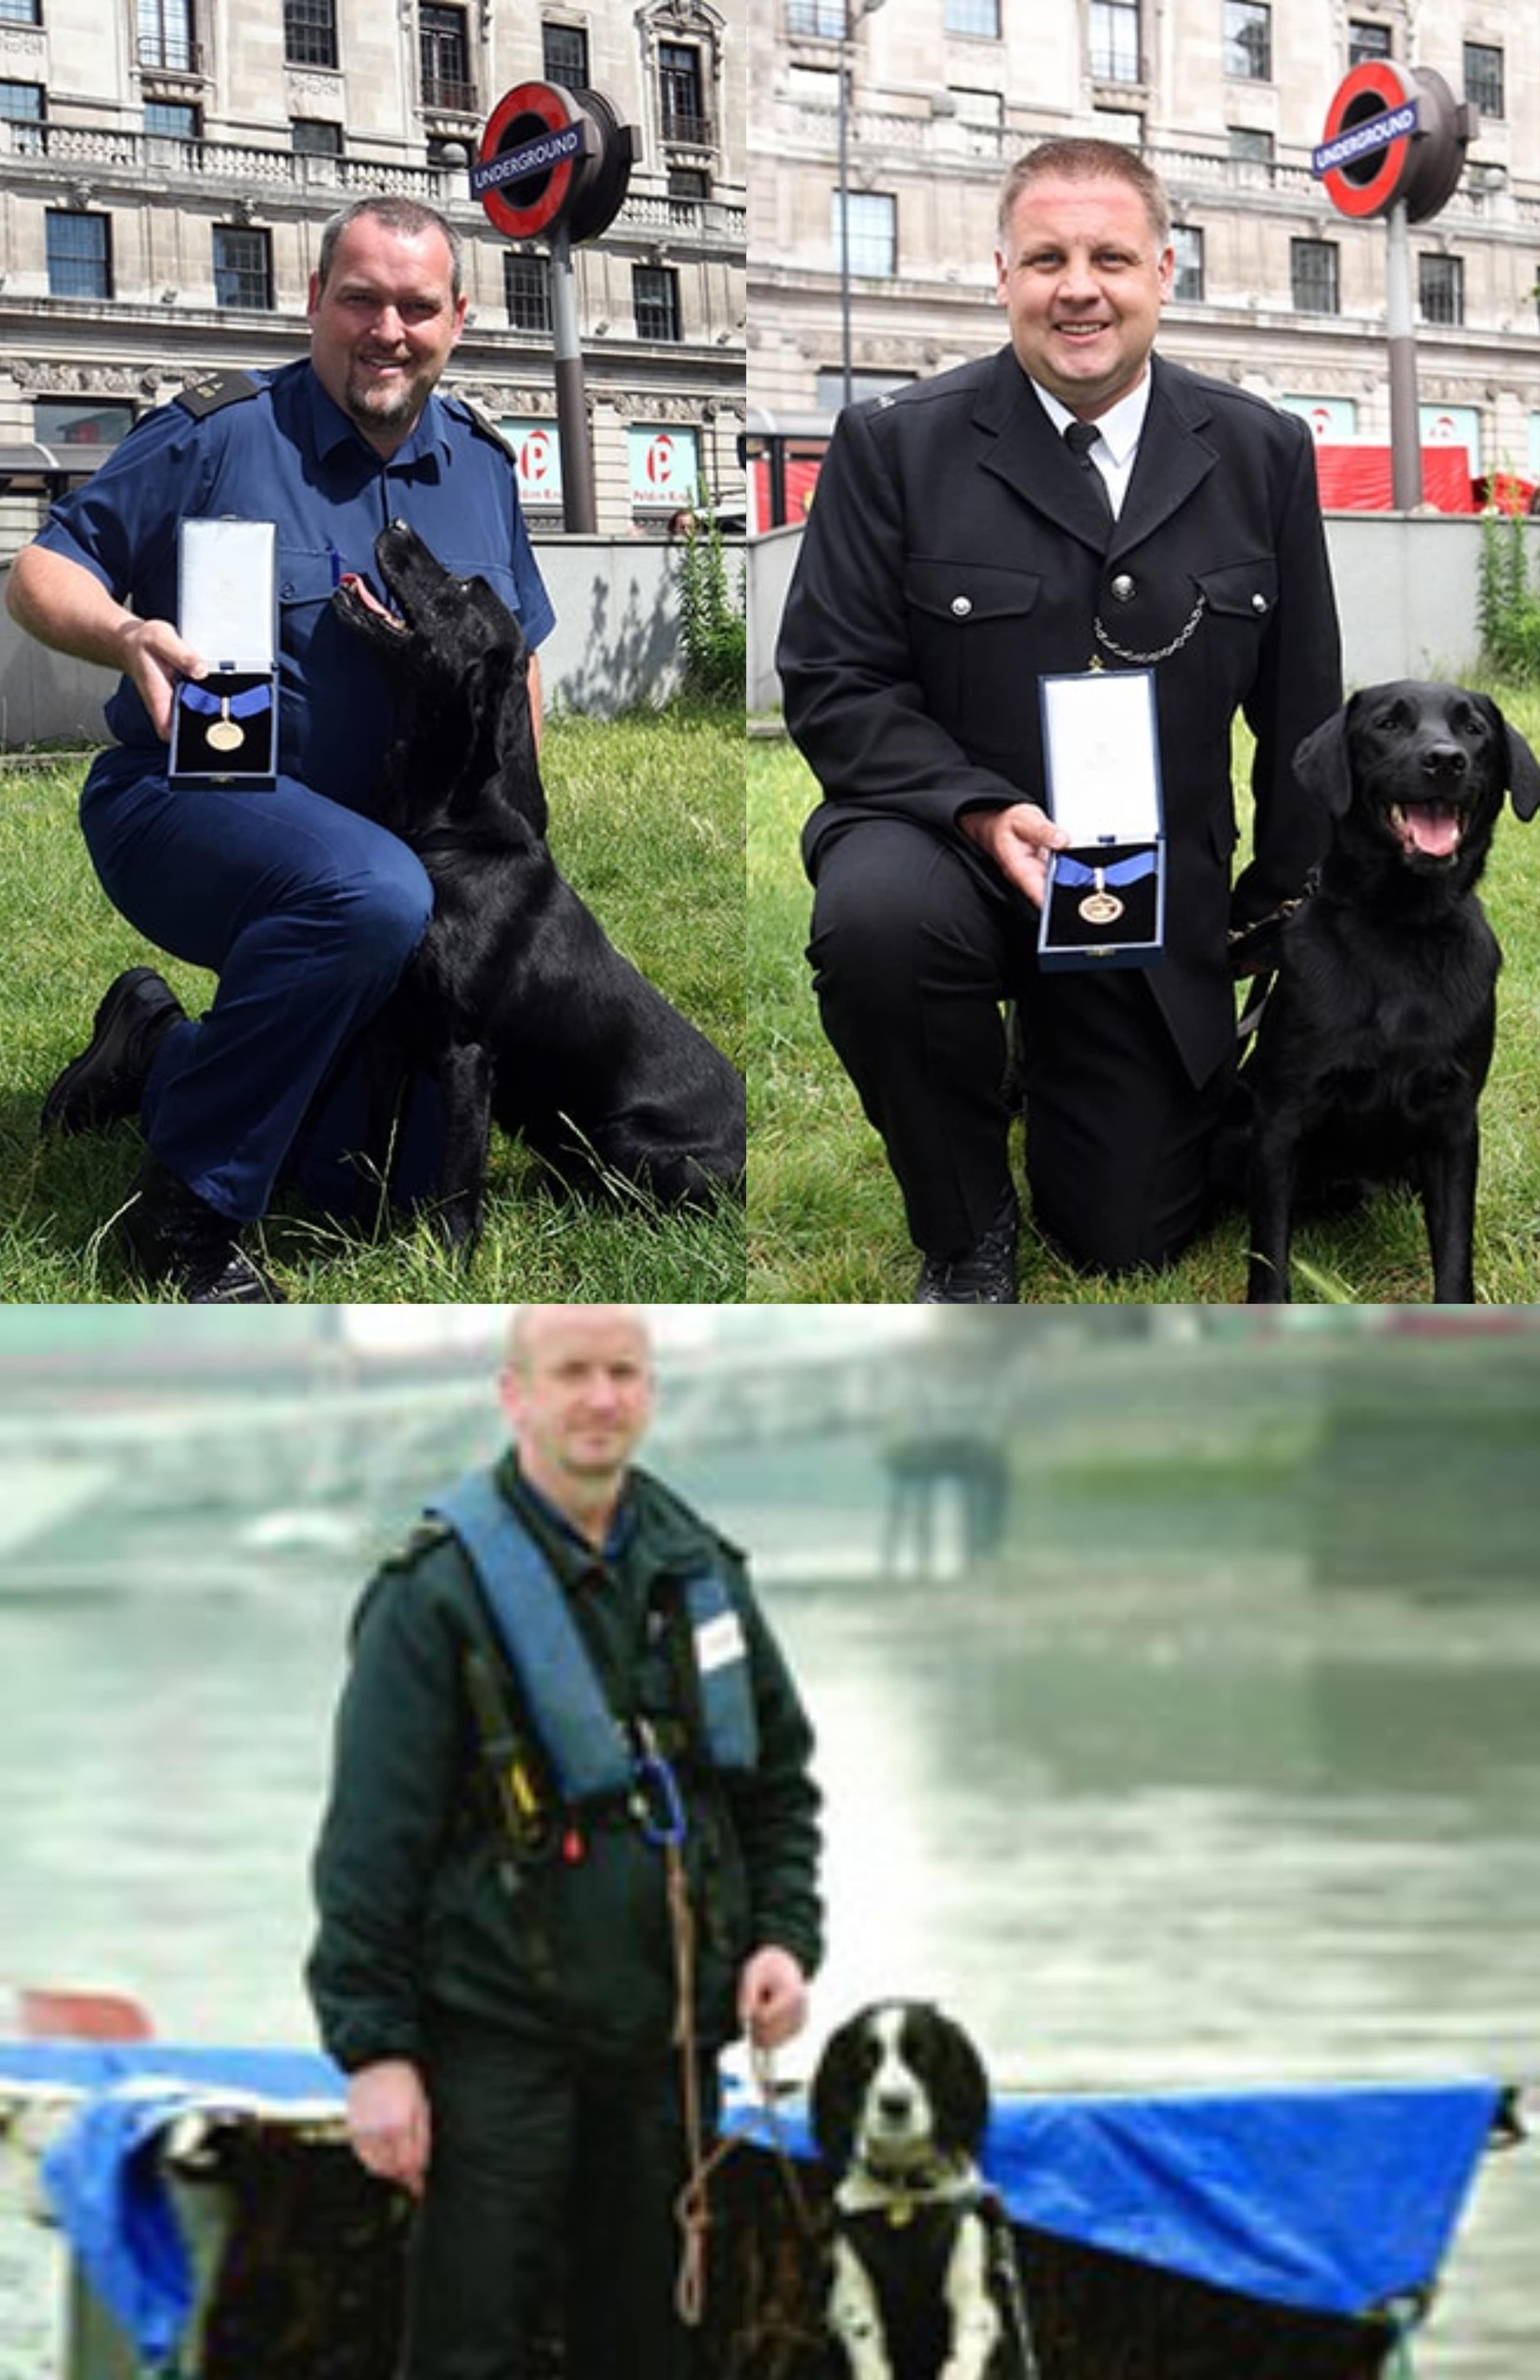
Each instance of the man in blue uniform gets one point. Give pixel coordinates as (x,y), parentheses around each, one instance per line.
(304,908)
(564,1711)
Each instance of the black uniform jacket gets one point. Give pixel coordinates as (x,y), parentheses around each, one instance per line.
(955,554)
(419,1910)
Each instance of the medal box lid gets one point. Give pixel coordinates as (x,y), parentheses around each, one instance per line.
(227,591)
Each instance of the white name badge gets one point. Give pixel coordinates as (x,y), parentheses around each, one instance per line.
(719,1642)
(1101,753)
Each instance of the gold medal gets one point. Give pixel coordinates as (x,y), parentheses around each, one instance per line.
(1099,907)
(225,736)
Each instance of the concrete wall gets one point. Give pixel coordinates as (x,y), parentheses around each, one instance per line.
(1406,591)
(616,643)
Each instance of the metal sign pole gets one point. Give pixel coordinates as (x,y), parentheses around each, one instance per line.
(578,511)
(1406,443)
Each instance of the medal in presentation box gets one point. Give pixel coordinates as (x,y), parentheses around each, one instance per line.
(1105,904)
(225,726)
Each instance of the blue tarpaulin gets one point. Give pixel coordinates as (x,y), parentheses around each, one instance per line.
(1335,2199)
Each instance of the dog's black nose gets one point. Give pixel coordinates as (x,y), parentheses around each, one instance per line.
(1444,761)
(894,2105)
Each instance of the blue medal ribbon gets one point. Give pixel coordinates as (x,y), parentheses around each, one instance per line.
(1123,871)
(238,706)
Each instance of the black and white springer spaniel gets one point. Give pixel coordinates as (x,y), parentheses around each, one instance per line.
(925,2282)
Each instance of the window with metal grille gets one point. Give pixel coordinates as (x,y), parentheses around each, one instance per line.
(1188,283)
(1115,41)
(446,81)
(981,16)
(1366,41)
(679,88)
(1441,289)
(310,136)
(1248,41)
(872,232)
(243,267)
(309,33)
(565,51)
(79,256)
(689,182)
(1313,271)
(527,292)
(170,119)
(21,105)
(165,35)
(655,298)
(821,21)
(1484,78)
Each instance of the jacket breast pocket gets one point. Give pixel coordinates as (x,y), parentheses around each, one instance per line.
(967,628)
(1239,599)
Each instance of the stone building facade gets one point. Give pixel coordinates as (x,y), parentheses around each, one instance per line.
(1276,290)
(166,168)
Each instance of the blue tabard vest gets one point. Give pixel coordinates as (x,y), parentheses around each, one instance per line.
(579,1734)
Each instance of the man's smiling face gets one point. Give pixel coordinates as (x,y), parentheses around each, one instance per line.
(1082,280)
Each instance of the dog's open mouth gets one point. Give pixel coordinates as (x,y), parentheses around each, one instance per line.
(1427,830)
(362,592)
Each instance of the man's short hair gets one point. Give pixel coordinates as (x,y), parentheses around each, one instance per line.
(1088,161)
(405,215)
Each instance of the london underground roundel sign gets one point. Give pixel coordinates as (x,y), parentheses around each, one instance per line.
(537,152)
(1392,133)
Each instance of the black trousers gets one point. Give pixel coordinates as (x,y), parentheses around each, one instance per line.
(550,2192)
(914,947)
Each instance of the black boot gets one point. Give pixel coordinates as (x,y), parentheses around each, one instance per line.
(171,1235)
(107,1080)
(982,1275)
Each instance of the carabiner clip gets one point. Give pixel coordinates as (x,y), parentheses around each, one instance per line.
(657,1801)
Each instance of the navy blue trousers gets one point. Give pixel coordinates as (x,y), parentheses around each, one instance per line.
(307,913)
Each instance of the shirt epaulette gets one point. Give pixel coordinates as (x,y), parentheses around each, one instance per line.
(211,391)
(423,1538)
(479,419)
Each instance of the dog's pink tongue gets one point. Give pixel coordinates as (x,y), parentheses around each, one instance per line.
(1434,828)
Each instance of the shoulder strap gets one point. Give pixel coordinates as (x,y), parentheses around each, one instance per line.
(213,391)
(484,423)
(567,1709)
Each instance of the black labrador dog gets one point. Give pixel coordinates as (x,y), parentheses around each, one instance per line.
(1374,1045)
(515,1001)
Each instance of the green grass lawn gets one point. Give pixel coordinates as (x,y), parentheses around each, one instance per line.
(825,1219)
(647,821)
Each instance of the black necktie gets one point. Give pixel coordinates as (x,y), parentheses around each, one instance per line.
(1080,437)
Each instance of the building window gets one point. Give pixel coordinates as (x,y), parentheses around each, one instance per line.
(79,256)
(814,86)
(689,185)
(21,12)
(312,136)
(1188,244)
(527,291)
(564,49)
(1248,41)
(830,392)
(1484,78)
(1254,148)
(1115,41)
(1366,42)
(166,36)
(170,119)
(655,298)
(446,81)
(243,267)
(1313,268)
(80,421)
(873,233)
(309,33)
(685,117)
(980,17)
(1441,289)
(22,105)
(820,20)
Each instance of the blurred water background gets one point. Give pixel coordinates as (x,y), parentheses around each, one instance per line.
(1224,1767)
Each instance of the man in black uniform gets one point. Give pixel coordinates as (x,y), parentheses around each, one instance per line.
(560,1693)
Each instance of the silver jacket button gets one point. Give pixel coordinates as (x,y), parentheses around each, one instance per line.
(961,605)
(1122,588)
(1258,603)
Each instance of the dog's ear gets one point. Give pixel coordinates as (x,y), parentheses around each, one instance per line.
(834,2102)
(961,2090)
(1523,769)
(1323,764)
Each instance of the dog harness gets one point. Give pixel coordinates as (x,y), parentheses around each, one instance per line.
(592,1756)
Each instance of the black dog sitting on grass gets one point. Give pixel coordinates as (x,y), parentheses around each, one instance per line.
(516,1002)
(1373,1049)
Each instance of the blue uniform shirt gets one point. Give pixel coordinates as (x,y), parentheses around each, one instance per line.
(290,456)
